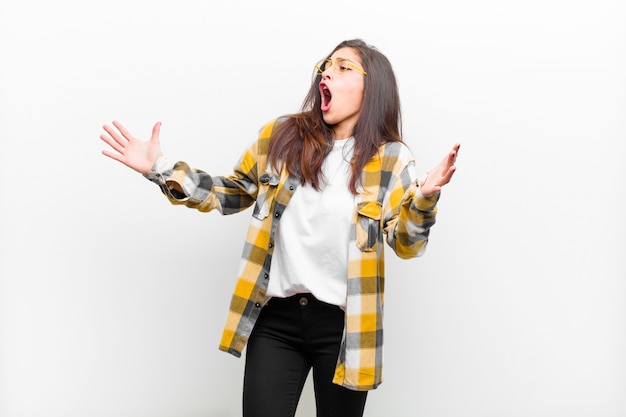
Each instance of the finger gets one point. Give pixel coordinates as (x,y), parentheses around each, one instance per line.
(451,159)
(156,132)
(115,135)
(451,171)
(112,143)
(435,190)
(448,175)
(455,150)
(114,155)
(123,130)
(452,156)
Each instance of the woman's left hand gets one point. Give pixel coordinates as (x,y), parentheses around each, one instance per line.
(441,174)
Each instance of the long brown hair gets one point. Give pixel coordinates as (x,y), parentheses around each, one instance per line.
(301,141)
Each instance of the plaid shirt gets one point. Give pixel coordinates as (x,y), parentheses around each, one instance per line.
(389,206)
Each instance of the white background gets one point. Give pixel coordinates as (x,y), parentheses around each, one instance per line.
(112,301)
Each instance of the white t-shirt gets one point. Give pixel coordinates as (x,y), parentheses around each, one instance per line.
(311,253)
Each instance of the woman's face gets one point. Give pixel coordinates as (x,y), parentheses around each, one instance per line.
(341,89)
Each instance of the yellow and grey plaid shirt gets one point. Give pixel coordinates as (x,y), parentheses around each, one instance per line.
(389,206)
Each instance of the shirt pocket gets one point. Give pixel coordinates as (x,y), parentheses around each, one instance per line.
(368,225)
(268,183)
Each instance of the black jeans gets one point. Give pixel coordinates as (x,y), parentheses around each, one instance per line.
(291,336)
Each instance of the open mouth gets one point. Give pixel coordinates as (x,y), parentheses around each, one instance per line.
(326,97)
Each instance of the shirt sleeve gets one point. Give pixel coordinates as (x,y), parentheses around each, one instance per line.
(196,189)
(409,215)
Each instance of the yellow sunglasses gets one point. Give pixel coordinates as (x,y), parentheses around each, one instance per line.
(339,66)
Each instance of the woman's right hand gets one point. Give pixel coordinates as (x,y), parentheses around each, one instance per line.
(136,154)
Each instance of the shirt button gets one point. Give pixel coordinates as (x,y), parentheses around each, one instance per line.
(304,301)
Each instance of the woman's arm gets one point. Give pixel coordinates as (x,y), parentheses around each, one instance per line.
(180,183)
(412,208)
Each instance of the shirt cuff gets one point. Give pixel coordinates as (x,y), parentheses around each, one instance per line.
(424,203)
(161,169)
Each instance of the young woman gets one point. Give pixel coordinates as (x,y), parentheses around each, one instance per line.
(329,186)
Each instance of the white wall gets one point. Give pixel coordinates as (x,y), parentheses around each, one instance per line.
(112,301)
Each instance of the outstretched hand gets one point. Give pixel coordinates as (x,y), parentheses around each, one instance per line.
(136,154)
(441,174)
